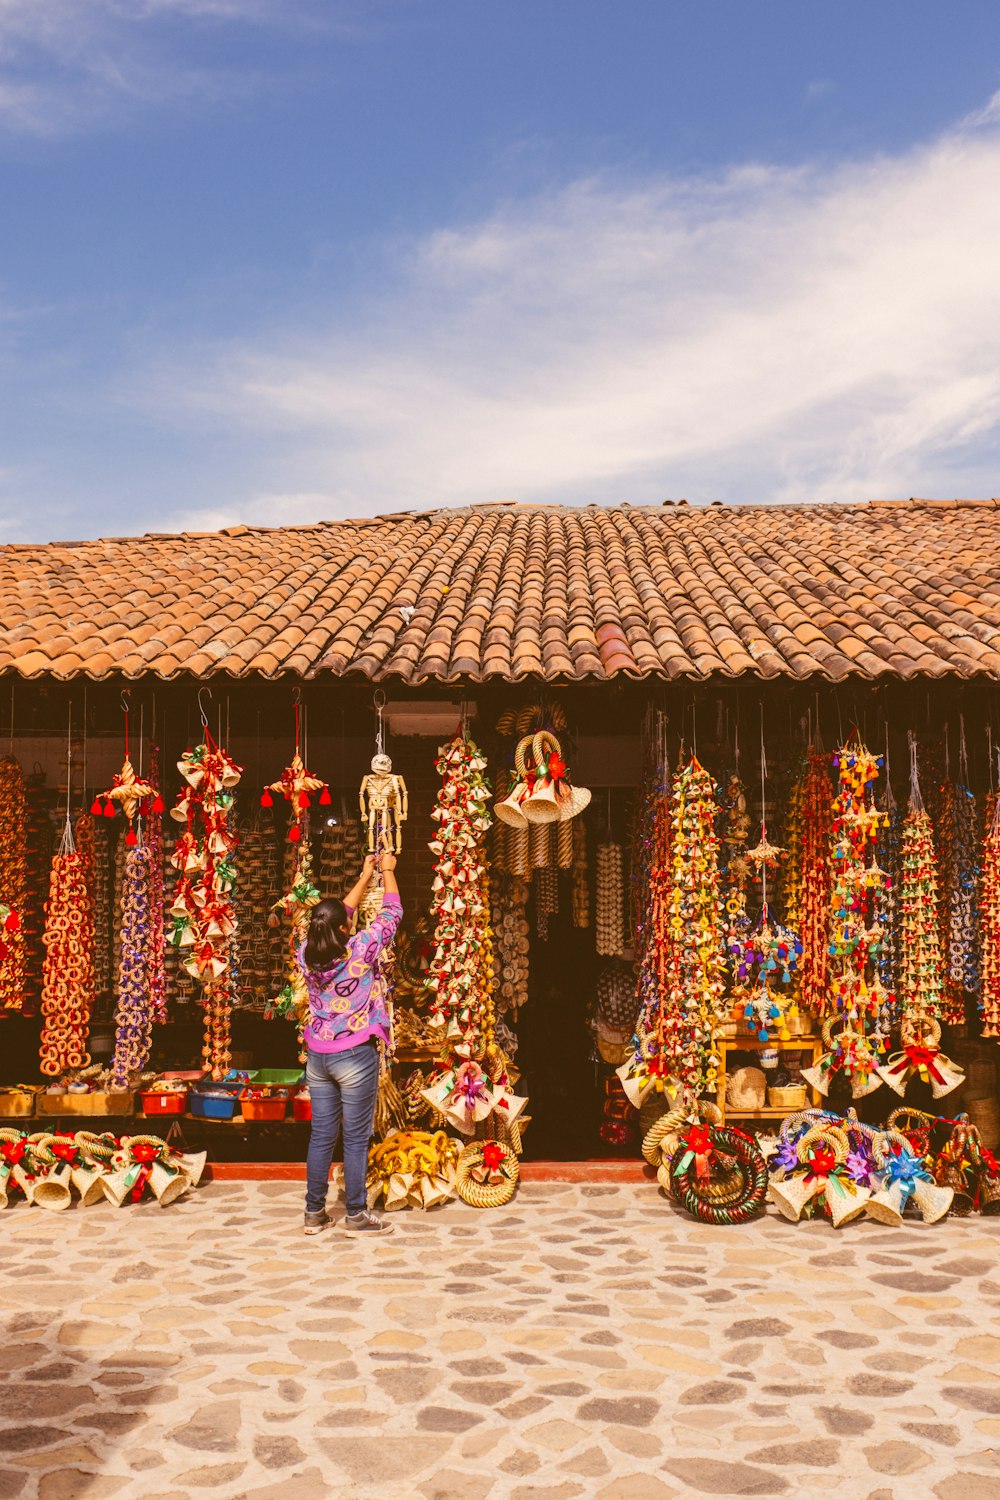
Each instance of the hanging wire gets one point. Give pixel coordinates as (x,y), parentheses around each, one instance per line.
(86,721)
(378,700)
(201,709)
(916,801)
(890,800)
(763,809)
(963,753)
(67,844)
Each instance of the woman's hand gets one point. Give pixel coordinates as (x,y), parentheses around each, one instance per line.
(388,862)
(369,867)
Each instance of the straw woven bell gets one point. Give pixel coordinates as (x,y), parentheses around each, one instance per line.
(886,1206)
(53,1190)
(791,1196)
(843,1203)
(933,1201)
(167,1183)
(87,1182)
(509,810)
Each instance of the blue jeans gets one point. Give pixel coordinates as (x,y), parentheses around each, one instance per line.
(343,1087)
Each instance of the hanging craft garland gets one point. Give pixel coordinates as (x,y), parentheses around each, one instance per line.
(766,955)
(964,958)
(812,914)
(581,887)
(154,838)
(989,921)
(458,978)
(133,1016)
(103,916)
(920,962)
(610,928)
(295,784)
(736,869)
(201,912)
(474,1091)
(13,883)
(295,906)
(127,790)
(202,905)
(681,980)
(888,856)
(68,967)
(546,900)
(856,991)
(509,898)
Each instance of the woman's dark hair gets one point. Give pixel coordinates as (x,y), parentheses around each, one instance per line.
(325,941)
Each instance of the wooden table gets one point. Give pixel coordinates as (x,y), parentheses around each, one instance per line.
(813,1045)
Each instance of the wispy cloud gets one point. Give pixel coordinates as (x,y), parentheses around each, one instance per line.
(764,333)
(70,64)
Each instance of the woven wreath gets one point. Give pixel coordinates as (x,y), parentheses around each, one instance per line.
(487,1174)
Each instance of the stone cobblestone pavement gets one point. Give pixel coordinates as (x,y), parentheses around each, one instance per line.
(586,1341)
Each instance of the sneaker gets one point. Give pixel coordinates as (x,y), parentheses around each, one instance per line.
(366,1223)
(316,1223)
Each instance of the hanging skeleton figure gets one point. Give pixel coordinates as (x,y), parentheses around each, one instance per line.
(383,800)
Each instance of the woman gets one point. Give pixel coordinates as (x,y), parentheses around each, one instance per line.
(348,1017)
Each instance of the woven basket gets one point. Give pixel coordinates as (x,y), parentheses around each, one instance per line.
(653,1107)
(791,1097)
(985,1115)
(485,1194)
(746,1089)
(800,1025)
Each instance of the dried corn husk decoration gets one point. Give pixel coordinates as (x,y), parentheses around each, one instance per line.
(610,900)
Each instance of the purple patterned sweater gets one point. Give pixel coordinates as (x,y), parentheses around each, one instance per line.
(349,1002)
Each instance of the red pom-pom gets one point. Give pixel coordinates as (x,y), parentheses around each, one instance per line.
(324,797)
(12,922)
(294,833)
(109,808)
(303,802)
(96,808)
(266,799)
(130,837)
(4,949)
(157,803)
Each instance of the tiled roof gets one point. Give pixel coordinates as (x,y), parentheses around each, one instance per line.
(509,591)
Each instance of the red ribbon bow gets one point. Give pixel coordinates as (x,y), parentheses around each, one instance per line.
(492,1155)
(919,1056)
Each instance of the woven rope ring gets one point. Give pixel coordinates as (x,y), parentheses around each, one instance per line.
(485,1194)
(739,1194)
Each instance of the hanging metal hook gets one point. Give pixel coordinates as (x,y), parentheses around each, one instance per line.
(201,709)
(296,695)
(125,699)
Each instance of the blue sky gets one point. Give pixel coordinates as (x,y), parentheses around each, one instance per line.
(284,260)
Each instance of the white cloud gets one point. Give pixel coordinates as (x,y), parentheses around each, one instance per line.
(69,64)
(763,334)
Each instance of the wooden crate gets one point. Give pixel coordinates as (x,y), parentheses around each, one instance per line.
(17,1104)
(86,1104)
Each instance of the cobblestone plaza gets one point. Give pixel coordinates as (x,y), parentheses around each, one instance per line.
(587,1341)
